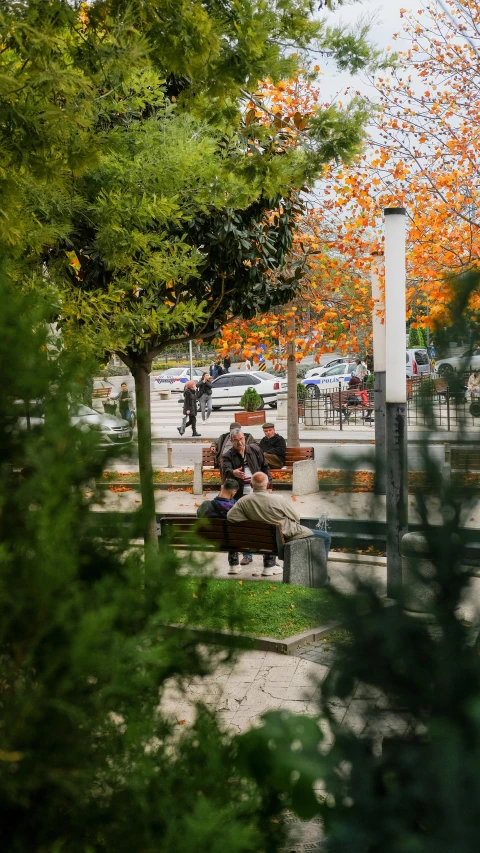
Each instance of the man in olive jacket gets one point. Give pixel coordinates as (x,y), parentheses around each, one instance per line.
(241,462)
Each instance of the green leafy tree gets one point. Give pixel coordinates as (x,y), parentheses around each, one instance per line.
(87,760)
(134,190)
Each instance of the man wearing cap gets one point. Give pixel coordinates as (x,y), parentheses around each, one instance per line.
(274,447)
(224,442)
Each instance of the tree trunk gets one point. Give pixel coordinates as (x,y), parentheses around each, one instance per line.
(292,401)
(141,374)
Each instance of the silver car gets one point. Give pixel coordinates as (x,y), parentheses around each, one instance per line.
(112,430)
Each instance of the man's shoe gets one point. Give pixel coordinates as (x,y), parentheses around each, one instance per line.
(196,434)
(181,430)
(245,561)
(234,569)
(267,572)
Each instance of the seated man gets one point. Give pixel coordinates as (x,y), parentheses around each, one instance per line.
(358,396)
(242,461)
(473,385)
(260,505)
(218,508)
(224,443)
(274,447)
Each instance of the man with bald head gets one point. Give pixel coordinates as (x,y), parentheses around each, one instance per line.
(261,505)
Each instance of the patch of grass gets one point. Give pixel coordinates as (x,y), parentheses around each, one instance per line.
(256,607)
(339,637)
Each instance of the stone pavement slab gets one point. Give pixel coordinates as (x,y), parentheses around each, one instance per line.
(241,692)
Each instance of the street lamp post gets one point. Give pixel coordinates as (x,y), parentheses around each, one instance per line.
(190,358)
(378,324)
(395,392)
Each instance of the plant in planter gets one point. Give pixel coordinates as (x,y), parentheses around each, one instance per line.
(251,400)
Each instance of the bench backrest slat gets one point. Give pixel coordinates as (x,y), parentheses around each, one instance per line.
(465,458)
(258,536)
(294,454)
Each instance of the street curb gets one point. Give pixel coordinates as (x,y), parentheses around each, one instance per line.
(261,644)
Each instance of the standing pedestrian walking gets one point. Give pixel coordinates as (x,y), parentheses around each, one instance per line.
(248,364)
(189,409)
(204,396)
(226,363)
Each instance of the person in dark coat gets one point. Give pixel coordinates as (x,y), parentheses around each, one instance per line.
(274,447)
(226,363)
(241,462)
(204,396)
(189,409)
(218,508)
(224,443)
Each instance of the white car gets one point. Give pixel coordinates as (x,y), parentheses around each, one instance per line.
(417,362)
(468,359)
(328,378)
(176,377)
(228,389)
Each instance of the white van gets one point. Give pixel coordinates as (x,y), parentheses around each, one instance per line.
(418,362)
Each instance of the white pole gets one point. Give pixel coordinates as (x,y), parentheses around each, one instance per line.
(395,305)
(396,395)
(191,358)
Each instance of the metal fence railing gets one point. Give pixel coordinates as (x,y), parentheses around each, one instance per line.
(433,403)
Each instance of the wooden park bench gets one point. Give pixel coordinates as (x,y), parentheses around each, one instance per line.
(217,534)
(304,564)
(294,454)
(101,394)
(341,403)
(462,458)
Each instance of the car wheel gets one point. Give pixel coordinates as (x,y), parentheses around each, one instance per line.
(313,391)
(273,405)
(445,370)
(475,409)
(261,406)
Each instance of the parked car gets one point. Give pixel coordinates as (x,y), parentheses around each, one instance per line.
(468,359)
(329,378)
(228,389)
(320,369)
(418,362)
(176,377)
(113,430)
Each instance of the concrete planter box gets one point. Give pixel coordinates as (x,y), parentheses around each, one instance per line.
(250,418)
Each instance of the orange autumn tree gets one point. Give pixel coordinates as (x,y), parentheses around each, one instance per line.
(332,306)
(423,154)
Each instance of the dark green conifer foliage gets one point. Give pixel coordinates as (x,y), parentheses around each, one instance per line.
(402,774)
(87,762)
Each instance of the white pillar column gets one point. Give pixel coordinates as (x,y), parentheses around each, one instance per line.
(396,394)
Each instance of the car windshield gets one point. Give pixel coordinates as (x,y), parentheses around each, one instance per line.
(173,371)
(262,374)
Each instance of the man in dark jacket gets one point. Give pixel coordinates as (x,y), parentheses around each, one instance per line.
(274,447)
(242,461)
(218,508)
(224,443)
(189,409)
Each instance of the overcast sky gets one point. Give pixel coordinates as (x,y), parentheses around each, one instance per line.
(387,22)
